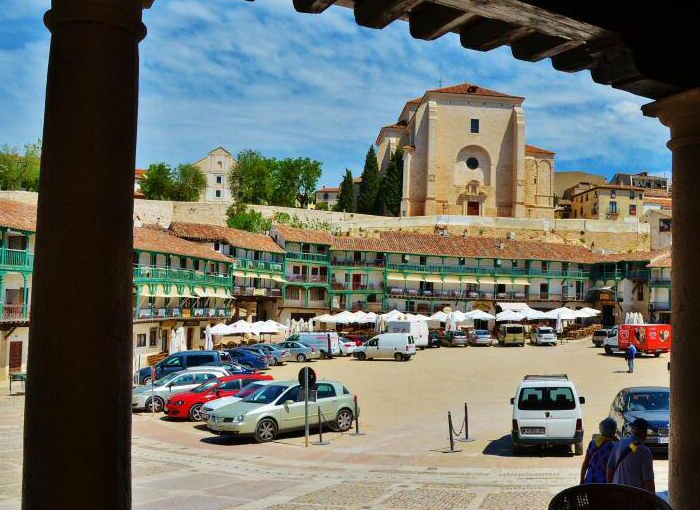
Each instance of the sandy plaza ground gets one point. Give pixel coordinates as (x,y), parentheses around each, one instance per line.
(398,463)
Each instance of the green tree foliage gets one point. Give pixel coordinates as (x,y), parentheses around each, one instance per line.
(20,171)
(188,183)
(322,206)
(250,180)
(390,195)
(157,184)
(346,197)
(185,184)
(242,218)
(370,186)
(294,181)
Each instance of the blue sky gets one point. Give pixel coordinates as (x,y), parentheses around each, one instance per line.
(259,75)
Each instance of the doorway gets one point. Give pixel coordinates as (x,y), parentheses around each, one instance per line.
(472,208)
(15,364)
(190,338)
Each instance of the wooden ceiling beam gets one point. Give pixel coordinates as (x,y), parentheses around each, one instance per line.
(379,13)
(486,34)
(434,20)
(312,6)
(574,60)
(538,46)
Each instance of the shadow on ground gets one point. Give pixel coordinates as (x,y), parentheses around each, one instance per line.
(501,447)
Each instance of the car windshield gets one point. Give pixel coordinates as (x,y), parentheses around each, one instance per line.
(481,332)
(249,390)
(166,379)
(206,386)
(648,401)
(546,399)
(459,333)
(545,331)
(266,394)
(600,332)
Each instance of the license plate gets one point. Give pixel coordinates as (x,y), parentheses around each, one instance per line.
(663,440)
(532,430)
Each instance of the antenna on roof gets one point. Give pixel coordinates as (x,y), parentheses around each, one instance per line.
(440,82)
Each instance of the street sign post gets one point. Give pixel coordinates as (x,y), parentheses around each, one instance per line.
(307,378)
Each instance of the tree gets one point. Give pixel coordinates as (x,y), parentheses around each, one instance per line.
(294,181)
(250,180)
(370,185)
(240,217)
(20,171)
(188,183)
(346,197)
(321,206)
(390,195)
(157,184)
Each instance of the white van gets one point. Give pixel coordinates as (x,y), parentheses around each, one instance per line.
(400,346)
(419,331)
(547,412)
(320,341)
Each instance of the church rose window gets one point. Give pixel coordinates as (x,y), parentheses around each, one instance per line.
(472,163)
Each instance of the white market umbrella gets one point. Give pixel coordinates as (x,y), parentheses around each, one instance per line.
(219,329)
(208,340)
(510,316)
(278,325)
(479,315)
(241,328)
(534,315)
(369,318)
(419,317)
(183,340)
(174,343)
(343,317)
(359,316)
(438,316)
(393,315)
(563,313)
(590,310)
(322,318)
(560,326)
(264,328)
(458,316)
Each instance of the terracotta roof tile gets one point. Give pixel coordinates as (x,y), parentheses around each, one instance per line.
(17,215)
(609,186)
(468,88)
(232,236)
(300,235)
(332,190)
(663,260)
(531,149)
(154,240)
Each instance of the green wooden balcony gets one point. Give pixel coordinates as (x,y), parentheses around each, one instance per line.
(22,260)
(147,274)
(319,258)
(257,265)
(521,272)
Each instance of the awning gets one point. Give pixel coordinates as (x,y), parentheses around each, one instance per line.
(486,279)
(264,276)
(144,291)
(452,279)
(186,292)
(210,292)
(522,281)
(278,278)
(414,278)
(469,279)
(396,276)
(221,293)
(433,278)
(160,292)
(504,281)
(239,274)
(200,292)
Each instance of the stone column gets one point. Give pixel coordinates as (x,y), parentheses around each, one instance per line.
(430,208)
(77,436)
(681,113)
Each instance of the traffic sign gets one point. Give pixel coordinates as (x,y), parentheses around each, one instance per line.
(303,376)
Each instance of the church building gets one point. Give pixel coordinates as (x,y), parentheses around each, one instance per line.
(465,154)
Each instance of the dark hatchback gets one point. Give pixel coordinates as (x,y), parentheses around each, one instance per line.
(180,361)
(650,403)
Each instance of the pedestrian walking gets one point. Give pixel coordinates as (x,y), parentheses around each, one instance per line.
(631,353)
(631,463)
(595,463)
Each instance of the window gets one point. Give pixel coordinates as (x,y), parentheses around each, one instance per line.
(184,379)
(613,193)
(325,390)
(543,399)
(475,125)
(665,225)
(217,193)
(292,293)
(423,260)
(633,210)
(183,263)
(357,256)
(174,362)
(472,163)
(581,212)
(640,292)
(141,340)
(543,265)
(632,196)
(152,337)
(203,377)
(586,197)
(219,179)
(613,207)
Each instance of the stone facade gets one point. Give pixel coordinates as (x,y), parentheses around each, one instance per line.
(215,167)
(465,154)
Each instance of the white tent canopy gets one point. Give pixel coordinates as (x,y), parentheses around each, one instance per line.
(438,316)
(510,315)
(322,318)
(534,315)
(563,313)
(517,307)
(393,315)
(480,315)
(592,311)
(220,329)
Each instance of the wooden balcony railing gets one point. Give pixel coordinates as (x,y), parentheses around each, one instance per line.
(16,259)
(321,258)
(152,312)
(172,275)
(13,313)
(522,272)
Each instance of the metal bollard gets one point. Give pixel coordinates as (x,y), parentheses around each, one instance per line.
(466,438)
(451,449)
(357,422)
(320,441)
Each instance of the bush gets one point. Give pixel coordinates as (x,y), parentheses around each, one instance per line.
(243,219)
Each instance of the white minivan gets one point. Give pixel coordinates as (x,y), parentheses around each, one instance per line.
(322,341)
(547,412)
(418,330)
(400,346)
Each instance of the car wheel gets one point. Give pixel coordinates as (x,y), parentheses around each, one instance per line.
(301,358)
(398,356)
(147,380)
(344,420)
(323,355)
(266,430)
(361,356)
(196,412)
(578,449)
(155,405)
(657,354)
(516,449)
(608,350)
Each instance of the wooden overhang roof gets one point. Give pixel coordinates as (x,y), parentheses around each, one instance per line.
(613,41)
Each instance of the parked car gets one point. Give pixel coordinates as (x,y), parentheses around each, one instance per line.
(648,338)
(179,361)
(153,397)
(189,404)
(300,351)
(280,355)
(543,335)
(248,359)
(233,368)
(547,412)
(650,403)
(600,336)
(434,339)
(480,337)
(224,401)
(279,407)
(321,341)
(399,346)
(457,338)
(347,346)
(271,360)
(511,334)
(358,339)
(418,330)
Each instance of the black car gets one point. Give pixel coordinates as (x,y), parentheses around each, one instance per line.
(650,403)
(433,339)
(180,361)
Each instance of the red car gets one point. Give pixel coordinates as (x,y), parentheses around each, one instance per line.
(188,405)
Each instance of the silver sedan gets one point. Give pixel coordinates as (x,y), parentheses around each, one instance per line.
(152,398)
(299,351)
